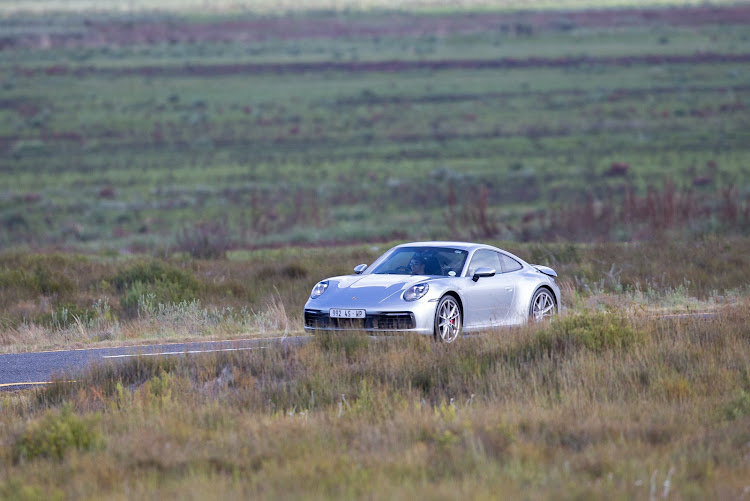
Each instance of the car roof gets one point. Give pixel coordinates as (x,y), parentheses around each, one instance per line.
(467,246)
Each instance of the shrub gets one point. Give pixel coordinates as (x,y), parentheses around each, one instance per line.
(38,278)
(347,342)
(15,488)
(65,316)
(205,240)
(15,221)
(160,292)
(739,407)
(152,272)
(596,332)
(56,433)
(29,148)
(294,270)
(167,284)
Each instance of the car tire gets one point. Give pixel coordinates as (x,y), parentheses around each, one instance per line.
(448,320)
(543,305)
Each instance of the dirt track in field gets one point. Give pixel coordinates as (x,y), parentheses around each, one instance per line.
(124,32)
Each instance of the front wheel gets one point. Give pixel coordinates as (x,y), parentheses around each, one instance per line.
(542,305)
(448,320)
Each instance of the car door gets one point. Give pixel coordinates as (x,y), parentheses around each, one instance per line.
(487,301)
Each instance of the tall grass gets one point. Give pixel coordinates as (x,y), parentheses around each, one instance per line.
(586,406)
(56,300)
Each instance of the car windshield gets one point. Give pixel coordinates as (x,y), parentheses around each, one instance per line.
(435,261)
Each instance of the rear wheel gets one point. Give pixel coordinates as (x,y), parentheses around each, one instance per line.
(543,305)
(448,320)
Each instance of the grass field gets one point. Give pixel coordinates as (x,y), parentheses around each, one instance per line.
(190,172)
(52,301)
(591,405)
(122,132)
(610,399)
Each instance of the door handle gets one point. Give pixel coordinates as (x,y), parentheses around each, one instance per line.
(509,288)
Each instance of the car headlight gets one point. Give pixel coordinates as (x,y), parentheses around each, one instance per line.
(319,289)
(415,292)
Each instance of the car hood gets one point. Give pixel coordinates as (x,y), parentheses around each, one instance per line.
(377,288)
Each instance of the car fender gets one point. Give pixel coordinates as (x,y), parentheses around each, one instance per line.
(527,285)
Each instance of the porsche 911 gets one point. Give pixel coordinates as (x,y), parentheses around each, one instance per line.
(442,289)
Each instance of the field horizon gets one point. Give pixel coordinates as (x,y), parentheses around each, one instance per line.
(281,7)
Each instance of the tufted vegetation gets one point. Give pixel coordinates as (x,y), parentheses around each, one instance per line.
(583,406)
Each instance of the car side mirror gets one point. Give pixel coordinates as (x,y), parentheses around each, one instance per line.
(483,272)
(360,268)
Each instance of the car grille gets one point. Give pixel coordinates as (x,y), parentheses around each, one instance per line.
(383,321)
(393,321)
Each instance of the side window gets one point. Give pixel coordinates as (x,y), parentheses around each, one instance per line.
(510,264)
(484,258)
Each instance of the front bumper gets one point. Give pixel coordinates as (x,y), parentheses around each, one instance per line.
(391,321)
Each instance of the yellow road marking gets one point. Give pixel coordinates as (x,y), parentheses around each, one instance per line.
(4,385)
(29,383)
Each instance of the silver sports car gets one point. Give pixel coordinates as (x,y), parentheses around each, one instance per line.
(435,288)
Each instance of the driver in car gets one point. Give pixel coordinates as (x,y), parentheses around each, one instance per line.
(417,264)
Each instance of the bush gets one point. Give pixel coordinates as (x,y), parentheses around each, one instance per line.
(205,240)
(153,272)
(38,278)
(294,270)
(346,342)
(739,407)
(65,316)
(56,433)
(596,332)
(167,284)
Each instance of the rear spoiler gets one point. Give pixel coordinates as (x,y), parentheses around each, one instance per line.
(546,270)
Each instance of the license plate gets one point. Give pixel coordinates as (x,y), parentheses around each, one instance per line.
(338,313)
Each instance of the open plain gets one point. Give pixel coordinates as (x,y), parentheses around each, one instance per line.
(187,174)
(147,132)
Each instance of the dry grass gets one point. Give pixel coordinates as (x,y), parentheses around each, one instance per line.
(155,323)
(608,400)
(592,405)
(64,300)
(622,215)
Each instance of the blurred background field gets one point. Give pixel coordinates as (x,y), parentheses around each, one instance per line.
(281,6)
(136,131)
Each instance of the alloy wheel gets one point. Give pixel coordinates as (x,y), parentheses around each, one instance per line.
(448,320)
(542,305)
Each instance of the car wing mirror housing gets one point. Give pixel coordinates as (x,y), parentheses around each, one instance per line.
(483,272)
(360,268)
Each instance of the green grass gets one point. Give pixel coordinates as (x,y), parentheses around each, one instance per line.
(110,159)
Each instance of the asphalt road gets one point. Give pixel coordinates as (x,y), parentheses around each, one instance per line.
(18,370)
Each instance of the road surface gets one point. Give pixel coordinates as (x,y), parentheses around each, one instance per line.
(18,370)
